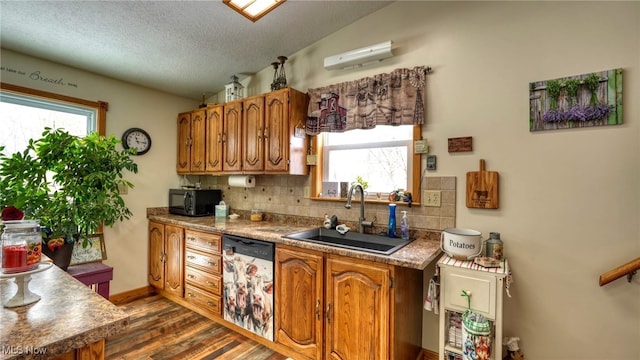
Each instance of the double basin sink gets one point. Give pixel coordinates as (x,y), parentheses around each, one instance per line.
(351,240)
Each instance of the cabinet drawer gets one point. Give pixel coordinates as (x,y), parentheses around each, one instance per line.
(203,300)
(206,281)
(482,288)
(206,262)
(199,240)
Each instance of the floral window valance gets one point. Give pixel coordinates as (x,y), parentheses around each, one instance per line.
(395,98)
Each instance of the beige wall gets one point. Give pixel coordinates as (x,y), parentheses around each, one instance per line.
(569,199)
(129,106)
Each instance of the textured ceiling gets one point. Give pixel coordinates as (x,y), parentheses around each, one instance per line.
(187,48)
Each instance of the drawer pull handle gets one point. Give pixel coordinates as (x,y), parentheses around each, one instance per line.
(191,238)
(211,283)
(211,303)
(191,295)
(190,276)
(210,243)
(191,257)
(213,263)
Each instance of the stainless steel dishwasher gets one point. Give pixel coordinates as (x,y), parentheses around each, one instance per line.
(248,284)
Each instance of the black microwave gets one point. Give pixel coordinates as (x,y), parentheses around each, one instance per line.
(192,202)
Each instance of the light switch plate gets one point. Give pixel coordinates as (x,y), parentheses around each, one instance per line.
(432,198)
(312,159)
(431,162)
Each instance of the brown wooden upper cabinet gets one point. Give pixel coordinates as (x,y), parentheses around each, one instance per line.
(191,142)
(255,135)
(213,133)
(253,129)
(232,137)
(286,148)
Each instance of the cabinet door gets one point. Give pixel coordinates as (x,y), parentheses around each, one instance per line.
(232,136)
(276,133)
(213,136)
(156,255)
(184,138)
(299,308)
(357,310)
(252,132)
(174,263)
(197,141)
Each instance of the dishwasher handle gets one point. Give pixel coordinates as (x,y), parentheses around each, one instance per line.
(228,250)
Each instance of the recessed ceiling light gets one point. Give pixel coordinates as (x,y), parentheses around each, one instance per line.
(253,9)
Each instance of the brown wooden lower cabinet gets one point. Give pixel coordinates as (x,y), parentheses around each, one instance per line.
(335,307)
(326,306)
(166,258)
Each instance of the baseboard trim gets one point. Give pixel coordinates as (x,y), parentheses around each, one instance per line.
(428,355)
(127,296)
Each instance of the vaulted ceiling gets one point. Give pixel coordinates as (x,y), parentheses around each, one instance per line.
(187,48)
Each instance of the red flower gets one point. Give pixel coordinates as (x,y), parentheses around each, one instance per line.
(12,213)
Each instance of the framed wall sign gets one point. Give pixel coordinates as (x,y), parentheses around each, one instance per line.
(95,250)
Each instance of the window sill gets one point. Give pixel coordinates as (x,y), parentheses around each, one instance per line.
(367,201)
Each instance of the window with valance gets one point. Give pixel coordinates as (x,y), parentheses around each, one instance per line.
(395,98)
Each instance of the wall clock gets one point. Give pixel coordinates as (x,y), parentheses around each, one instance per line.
(136,139)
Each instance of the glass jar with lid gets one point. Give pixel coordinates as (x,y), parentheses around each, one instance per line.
(21,245)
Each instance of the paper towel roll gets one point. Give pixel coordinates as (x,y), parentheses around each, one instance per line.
(247,181)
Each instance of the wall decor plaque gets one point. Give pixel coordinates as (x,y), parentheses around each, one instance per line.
(461,144)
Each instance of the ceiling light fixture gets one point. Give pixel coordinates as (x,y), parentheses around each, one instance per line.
(253,9)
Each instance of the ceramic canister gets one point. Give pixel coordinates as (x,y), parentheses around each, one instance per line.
(494,247)
(461,244)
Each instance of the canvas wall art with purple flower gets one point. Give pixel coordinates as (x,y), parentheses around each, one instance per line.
(587,100)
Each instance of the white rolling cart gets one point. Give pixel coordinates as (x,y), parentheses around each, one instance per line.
(485,286)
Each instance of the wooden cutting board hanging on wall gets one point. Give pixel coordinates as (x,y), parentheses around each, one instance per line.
(482,188)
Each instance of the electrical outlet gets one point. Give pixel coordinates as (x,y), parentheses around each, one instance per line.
(432,198)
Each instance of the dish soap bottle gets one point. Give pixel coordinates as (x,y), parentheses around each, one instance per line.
(392,220)
(327,222)
(404,226)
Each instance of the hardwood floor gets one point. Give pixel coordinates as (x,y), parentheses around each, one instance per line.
(160,329)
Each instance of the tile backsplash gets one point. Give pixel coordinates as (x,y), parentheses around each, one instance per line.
(281,194)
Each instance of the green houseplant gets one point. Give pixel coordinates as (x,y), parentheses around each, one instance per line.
(70,183)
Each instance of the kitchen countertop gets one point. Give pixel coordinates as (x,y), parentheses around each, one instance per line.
(416,255)
(68,316)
